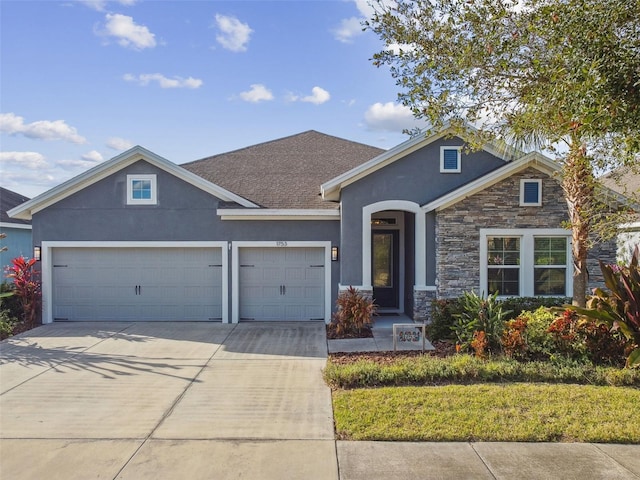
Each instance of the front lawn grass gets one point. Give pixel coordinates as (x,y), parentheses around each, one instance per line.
(517,412)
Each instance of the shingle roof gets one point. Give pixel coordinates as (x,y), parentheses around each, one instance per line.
(623,180)
(9,200)
(285,173)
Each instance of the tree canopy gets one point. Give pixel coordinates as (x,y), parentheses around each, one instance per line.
(562,75)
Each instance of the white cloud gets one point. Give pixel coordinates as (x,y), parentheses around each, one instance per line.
(100,5)
(41,130)
(164,82)
(234,35)
(365,7)
(75,165)
(390,117)
(117,143)
(318,96)
(348,28)
(395,48)
(257,93)
(29,160)
(93,156)
(128,33)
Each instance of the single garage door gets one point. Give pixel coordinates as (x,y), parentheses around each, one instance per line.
(137,284)
(281,283)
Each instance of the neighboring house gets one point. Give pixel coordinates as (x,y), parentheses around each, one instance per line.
(18,239)
(626,182)
(274,231)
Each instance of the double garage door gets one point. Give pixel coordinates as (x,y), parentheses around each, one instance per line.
(185,284)
(137,284)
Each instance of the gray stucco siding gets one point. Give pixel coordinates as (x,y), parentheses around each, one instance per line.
(183,213)
(416,178)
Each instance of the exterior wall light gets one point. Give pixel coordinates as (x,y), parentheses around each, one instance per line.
(334,254)
(37,253)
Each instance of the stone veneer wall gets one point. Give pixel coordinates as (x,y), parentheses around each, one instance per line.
(458,227)
(422,300)
(458,230)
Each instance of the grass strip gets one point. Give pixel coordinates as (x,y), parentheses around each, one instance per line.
(467,369)
(490,412)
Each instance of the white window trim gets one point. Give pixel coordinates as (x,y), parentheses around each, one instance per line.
(47,265)
(142,201)
(527,266)
(449,170)
(522,184)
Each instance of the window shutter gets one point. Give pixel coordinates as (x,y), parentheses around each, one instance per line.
(531,192)
(450,159)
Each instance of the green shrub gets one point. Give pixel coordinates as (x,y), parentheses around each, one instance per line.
(428,370)
(480,314)
(443,313)
(540,344)
(10,303)
(517,305)
(7,324)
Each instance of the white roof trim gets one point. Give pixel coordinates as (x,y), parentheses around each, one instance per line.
(534,159)
(277,214)
(331,190)
(103,170)
(626,226)
(15,225)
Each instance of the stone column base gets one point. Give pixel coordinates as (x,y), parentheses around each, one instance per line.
(422,305)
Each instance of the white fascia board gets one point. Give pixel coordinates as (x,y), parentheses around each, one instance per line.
(277,214)
(15,225)
(331,190)
(103,170)
(622,226)
(534,159)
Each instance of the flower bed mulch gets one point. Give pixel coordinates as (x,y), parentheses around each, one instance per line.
(362,333)
(443,349)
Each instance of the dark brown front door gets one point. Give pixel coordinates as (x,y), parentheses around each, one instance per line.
(385,267)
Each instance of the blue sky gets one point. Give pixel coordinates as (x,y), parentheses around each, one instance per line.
(81,81)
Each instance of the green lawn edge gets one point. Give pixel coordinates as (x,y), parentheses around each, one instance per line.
(512,412)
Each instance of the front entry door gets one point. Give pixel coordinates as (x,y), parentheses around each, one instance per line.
(385,271)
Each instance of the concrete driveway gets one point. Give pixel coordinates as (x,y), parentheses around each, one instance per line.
(166,400)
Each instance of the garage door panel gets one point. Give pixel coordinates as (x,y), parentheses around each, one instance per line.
(137,284)
(274,286)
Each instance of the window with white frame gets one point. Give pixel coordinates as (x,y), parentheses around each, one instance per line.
(525,262)
(450,159)
(531,193)
(142,189)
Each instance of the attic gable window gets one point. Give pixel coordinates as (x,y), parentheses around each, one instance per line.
(450,159)
(530,193)
(141,190)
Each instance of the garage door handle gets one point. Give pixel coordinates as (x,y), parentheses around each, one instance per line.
(284,290)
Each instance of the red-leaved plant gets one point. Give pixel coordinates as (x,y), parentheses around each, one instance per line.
(353,317)
(619,307)
(26,287)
